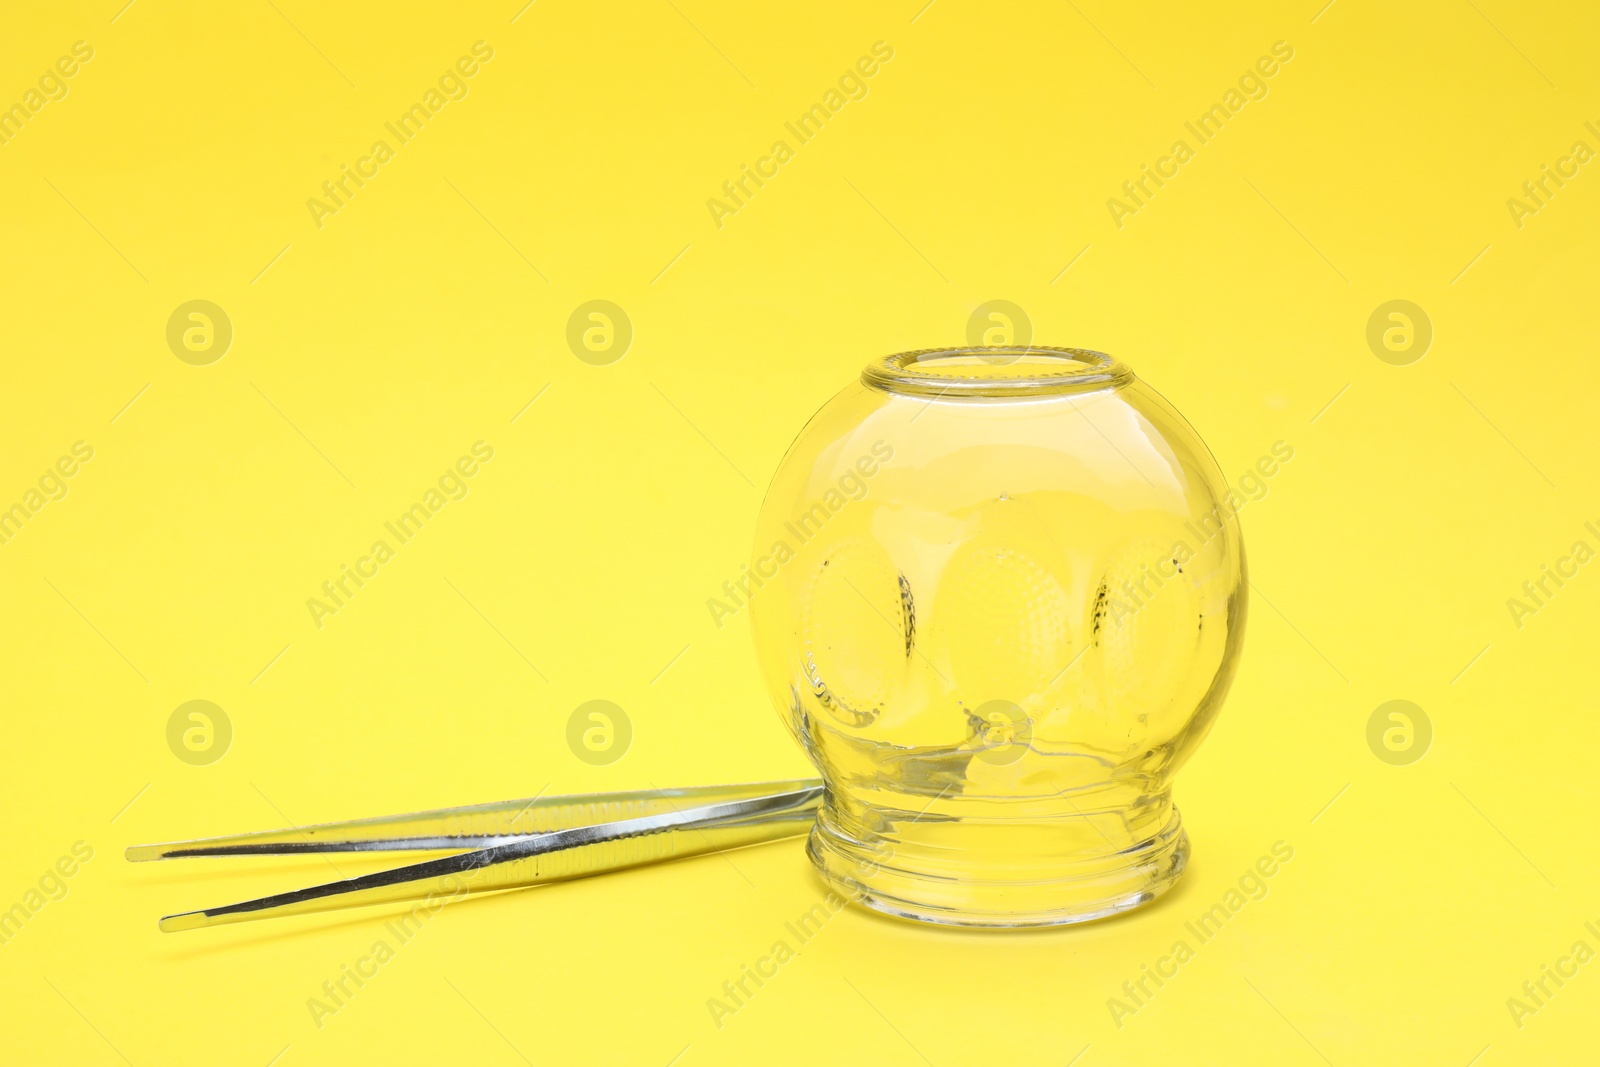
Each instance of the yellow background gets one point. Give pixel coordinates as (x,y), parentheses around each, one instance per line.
(370,353)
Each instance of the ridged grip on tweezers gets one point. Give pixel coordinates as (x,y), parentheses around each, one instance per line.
(534,858)
(475,826)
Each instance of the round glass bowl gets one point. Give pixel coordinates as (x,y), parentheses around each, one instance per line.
(998,596)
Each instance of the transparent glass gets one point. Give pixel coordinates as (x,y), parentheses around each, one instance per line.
(998,597)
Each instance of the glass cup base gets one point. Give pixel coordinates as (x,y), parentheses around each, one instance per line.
(913,875)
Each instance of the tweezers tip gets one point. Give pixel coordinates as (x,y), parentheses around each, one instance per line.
(188,920)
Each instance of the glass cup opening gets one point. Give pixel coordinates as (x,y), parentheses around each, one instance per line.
(998,371)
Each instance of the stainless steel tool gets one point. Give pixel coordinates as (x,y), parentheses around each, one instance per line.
(508,844)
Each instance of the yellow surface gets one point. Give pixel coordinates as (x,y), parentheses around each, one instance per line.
(426,313)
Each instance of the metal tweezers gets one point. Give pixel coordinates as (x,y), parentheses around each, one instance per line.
(508,844)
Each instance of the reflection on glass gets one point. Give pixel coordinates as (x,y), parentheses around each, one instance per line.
(1001,598)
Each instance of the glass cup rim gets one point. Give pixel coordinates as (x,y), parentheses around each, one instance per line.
(1000,371)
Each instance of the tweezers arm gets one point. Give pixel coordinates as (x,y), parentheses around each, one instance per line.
(533,859)
(475,826)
